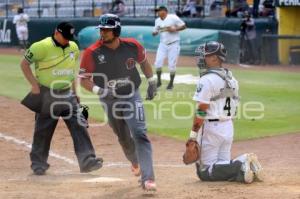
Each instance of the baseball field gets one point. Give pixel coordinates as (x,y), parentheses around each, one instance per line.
(267,124)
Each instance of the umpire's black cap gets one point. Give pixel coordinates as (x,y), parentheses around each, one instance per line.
(66,29)
(162,7)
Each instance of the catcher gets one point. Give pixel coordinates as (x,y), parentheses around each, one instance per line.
(217,98)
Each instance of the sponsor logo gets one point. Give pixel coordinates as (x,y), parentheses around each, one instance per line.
(289,2)
(62,72)
(199,88)
(5,34)
(101,59)
(72,55)
(117,83)
(130,63)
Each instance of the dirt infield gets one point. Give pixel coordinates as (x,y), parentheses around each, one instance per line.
(279,156)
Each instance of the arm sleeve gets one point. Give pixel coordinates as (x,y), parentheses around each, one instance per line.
(141,52)
(77,51)
(87,65)
(36,52)
(203,92)
(156,28)
(178,21)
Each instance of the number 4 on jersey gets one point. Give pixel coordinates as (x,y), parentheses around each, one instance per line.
(227,106)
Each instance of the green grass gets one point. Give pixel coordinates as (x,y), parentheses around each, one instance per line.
(278,92)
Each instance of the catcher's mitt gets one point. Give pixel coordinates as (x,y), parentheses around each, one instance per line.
(192,152)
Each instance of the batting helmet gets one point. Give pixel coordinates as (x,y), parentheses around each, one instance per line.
(111,21)
(210,48)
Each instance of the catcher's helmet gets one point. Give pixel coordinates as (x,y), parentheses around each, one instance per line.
(111,21)
(210,48)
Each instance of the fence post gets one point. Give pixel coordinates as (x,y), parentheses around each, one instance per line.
(155,5)
(55,8)
(39,9)
(6,9)
(74,8)
(93,8)
(134,8)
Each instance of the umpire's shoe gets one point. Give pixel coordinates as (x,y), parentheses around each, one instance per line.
(39,172)
(93,165)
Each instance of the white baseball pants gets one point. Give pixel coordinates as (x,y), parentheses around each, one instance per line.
(216,142)
(22,33)
(171,51)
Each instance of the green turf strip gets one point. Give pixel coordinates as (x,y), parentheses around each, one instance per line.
(171,113)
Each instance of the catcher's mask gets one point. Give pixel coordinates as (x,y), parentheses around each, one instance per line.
(110,21)
(209,48)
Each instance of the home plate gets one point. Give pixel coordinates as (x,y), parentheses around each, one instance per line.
(104,179)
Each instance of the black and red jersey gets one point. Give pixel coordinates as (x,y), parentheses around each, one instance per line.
(114,65)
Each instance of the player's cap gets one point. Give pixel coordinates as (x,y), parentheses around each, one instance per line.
(162,7)
(66,29)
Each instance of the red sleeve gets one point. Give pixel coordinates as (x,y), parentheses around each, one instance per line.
(141,56)
(141,52)
(87,64)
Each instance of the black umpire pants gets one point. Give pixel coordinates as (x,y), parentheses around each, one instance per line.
(45,125)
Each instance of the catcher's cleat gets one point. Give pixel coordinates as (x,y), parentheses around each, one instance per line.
(248,173)
(256,167)
(149,185)
(39,172)
(136,170)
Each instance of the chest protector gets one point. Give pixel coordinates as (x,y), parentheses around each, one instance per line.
(229,90)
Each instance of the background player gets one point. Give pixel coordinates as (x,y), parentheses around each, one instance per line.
(21,20)
(168,26)
(108,68)
(217,98)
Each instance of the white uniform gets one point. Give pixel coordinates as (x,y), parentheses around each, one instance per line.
(21,26)
(169,45)
(216,134)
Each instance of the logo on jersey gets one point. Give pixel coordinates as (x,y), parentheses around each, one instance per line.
(199,88)
(101,59)
(62,72)
(130,63)
(72,55)
(117,83)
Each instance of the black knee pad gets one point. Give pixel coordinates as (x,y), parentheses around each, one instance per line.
(223,172)
(202,174)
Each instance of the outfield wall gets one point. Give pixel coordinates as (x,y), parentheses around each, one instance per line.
(190,39)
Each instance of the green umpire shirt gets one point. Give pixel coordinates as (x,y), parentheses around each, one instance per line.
(55,65)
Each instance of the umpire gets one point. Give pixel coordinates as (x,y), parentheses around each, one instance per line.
(53,95)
